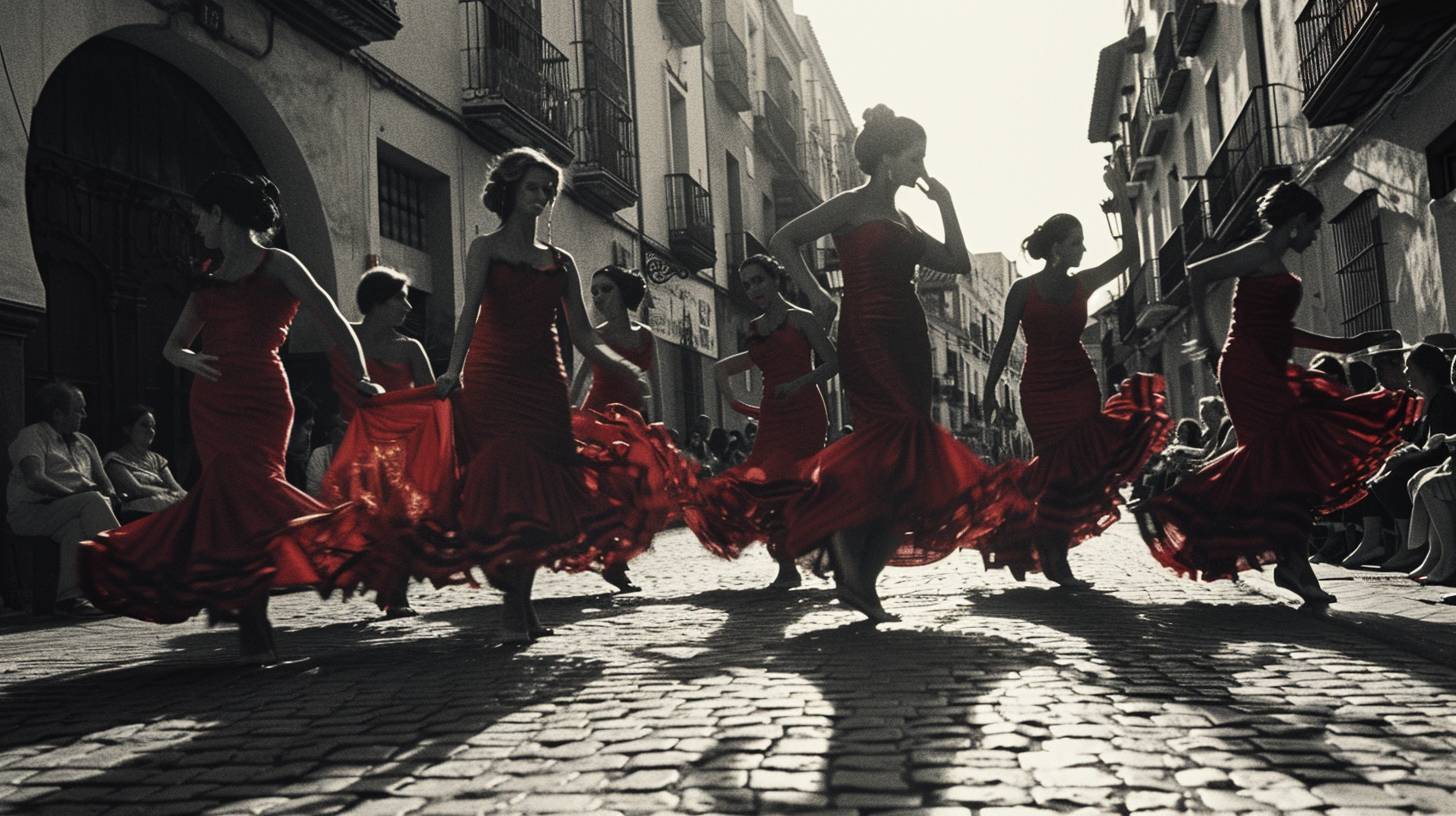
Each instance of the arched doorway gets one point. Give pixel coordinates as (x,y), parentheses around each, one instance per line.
(119,139)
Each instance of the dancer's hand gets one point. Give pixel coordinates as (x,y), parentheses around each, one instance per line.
(1365,340)
(446,384)
(1115,179)
(1202,348)
(199,364)
(644,383)
(790,388)
(934,190)
(368,387)
(824,313)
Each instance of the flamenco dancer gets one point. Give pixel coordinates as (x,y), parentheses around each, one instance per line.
(1306,445)
(616,293)
(900,489)
(529,498)
(792,418)
(1084,450)
(395,362)
(211,550)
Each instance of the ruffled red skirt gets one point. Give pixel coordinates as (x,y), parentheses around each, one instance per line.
(913,477)
(1074,482)
(1232,514)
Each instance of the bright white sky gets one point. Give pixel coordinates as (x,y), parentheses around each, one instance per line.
(1004,89)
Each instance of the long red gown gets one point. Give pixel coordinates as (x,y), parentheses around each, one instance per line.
(393,487)
(732,510)
(1084,450)
(531,495)
(212,550)
(1306,445)
(898,468)
(610,426)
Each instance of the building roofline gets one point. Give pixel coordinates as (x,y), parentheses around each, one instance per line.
(1105,92)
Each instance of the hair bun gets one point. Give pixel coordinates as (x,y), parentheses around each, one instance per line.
(878,113)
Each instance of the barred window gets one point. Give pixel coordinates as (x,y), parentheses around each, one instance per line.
(1360,265)
(401,205)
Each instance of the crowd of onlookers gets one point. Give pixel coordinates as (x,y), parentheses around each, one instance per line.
(1407,522)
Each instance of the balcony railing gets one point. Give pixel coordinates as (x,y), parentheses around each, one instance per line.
(515,80)
(1352,51)
(1173,73)
(683,20)
(1247,163)
(1129,304)
(730,67)
(1152,311)
(1194,19)
(341,25)
(775,131)
(690,222)
(814,164)
(606,168)
(1195,223)
(1172,274)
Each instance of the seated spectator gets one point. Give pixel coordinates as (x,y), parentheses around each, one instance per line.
(737,449)
(1433,525)
(58,487)
(1428,372)
(718,448)
(1330,366)
(140,474)
(300,443)
(750,435)
(323,456)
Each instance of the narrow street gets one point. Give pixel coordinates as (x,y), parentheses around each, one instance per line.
(705,694)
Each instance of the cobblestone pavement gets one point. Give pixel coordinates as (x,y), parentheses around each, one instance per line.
(702,694)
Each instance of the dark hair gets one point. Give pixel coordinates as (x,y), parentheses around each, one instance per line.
(770,264)
(1187,432)
(1362,376)
(1330,365)
(1284,201)
(252,201)
(499,195)
(57,395)
(884,133)
(629,282)
(131,414)
(378,285)
(1431,360)
(1038,245)
(304,409)
(718,442)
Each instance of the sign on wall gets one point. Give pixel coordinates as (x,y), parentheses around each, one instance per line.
(681,312)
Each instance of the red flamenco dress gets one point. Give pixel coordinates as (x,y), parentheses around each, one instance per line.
(212,550)
(1085,450)
(393,484)
(898,467)
(531,495)
(737,507)
(610,426)
(1306,445)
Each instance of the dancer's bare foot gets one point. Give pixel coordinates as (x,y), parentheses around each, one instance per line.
(868,606)
(1365,555)
(1304,585)
(788,576)
(617,577)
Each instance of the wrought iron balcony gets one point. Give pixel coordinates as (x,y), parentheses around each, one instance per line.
(1152,312)
(1195,225)
(605,173)
(690,222)
(1147,133)
(1172,71)
(1352,51)
(774,131)
(683,20)
(341,25)
(1130,303)
(1195,17)
(730,67)
(516,82)
(1247,162)
(814,164)
(1172,272)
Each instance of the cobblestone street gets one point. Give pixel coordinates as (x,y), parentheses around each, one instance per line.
(705,694)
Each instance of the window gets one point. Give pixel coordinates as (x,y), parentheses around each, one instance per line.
(735,194)
(1360,265)
(401,205)
(1441,163)
(1213,101)
(692,383)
